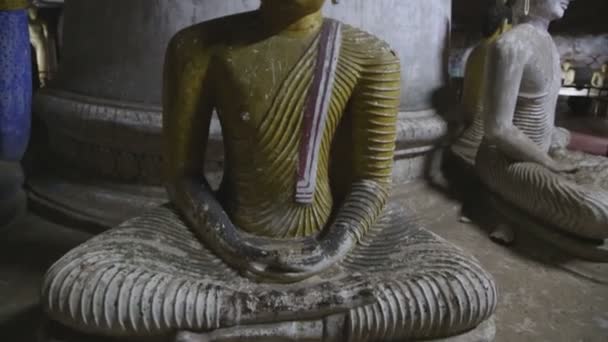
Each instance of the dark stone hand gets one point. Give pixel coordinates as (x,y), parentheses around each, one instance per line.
(293,261)
(316,257)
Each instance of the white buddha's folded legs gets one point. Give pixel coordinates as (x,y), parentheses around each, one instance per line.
(575,203)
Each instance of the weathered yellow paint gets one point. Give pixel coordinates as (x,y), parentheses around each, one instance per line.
(256,75)
(474,79)
(7,5)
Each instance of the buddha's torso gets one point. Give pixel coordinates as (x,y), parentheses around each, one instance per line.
(473,101)
(262,89)
(474,80)
(540,85)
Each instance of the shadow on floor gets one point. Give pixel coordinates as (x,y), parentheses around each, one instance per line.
(27,249)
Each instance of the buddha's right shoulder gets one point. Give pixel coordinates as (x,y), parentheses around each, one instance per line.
(366,44)
(512,43)
(210,33)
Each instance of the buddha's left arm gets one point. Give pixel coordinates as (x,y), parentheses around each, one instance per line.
(188,102)
(374,107)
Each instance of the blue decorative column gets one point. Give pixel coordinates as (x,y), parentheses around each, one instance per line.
(15,104)
(15,80)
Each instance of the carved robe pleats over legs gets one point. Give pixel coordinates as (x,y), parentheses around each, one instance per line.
(571,202)
(136,280)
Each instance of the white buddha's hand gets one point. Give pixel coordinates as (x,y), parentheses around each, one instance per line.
(563,167)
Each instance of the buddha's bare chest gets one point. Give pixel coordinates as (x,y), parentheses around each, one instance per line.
(542,73)
(541,82)
(250,77)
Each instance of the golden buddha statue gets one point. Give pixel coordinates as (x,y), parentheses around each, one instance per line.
(43,43)
(301,242)
(524,158)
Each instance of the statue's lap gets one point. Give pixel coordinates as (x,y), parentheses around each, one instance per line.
(151,275)
(573,202)
(592,169)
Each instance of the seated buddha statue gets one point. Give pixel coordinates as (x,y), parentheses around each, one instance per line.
(524,159)
(301,242)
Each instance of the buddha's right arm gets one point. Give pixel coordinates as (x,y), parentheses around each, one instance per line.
(188,101)
(473,84)
(505,68)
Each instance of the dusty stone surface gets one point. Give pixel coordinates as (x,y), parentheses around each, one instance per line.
(27,249)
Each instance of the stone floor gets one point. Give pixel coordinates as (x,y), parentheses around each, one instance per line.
(543,295)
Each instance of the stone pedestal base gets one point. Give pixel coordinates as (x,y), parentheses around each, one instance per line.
(92,206)
(52,332)
(418,135)
(118,147)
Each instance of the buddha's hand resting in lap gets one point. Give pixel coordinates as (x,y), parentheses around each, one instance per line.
(563,167)
(309,257)
(265,259)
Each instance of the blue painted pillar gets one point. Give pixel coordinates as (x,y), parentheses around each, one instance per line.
(15,80)
(15,105)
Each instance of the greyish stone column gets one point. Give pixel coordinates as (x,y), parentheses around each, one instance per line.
(103,112)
